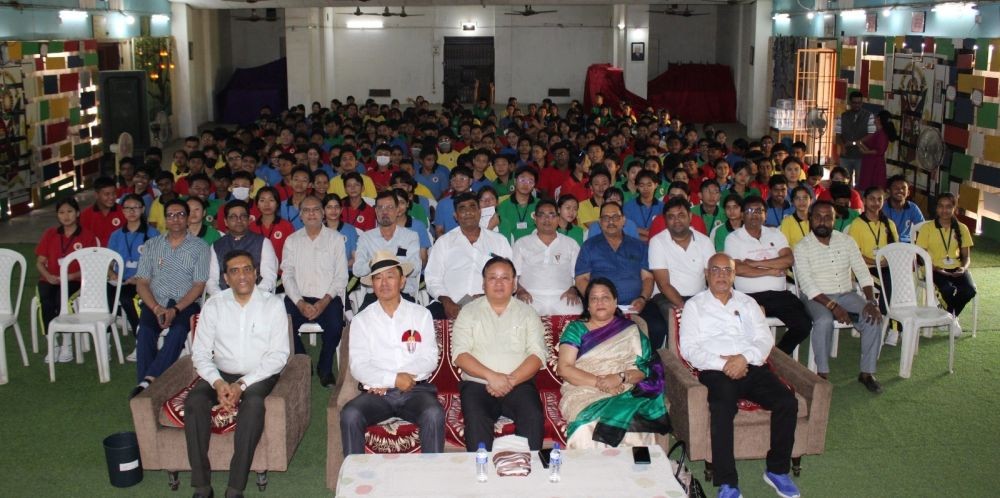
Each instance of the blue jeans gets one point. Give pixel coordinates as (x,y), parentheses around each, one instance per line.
(149,361)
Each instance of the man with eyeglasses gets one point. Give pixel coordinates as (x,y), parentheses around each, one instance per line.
(389,237)
(623,260)
(314,275)
(239,238)
(239,352)
(762,258)
(170,280)
(724,335)
(546,261)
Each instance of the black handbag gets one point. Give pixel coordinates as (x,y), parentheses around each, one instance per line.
(683,475)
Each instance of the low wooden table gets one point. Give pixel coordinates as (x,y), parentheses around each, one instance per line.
(599,473)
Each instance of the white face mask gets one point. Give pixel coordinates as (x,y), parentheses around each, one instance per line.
(241,193)
(382,160)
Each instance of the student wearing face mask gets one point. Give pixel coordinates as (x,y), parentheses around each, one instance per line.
(381,173)
(447,155)
(239,190)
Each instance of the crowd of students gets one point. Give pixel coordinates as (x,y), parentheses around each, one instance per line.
(347,153)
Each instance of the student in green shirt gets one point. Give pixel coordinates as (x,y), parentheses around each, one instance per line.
(196,221)
(503,166)
(709,208)
(733,207)
(516,218)
(841,194)
(568,206)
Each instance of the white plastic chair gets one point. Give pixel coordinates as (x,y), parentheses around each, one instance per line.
(91,315)
(904,306)
(920,283)
(10,310)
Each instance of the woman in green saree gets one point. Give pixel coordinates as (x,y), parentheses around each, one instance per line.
(613,389)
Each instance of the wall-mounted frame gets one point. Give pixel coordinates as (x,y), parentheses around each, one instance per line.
(638,51)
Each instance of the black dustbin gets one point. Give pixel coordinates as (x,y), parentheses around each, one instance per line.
(122,453)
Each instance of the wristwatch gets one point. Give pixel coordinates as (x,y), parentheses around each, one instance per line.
(243,385)
(622,376)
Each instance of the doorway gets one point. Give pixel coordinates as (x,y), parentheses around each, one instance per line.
(468,68)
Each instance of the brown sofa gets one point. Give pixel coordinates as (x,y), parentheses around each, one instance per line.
(402,437)
(162,446)
(687,401)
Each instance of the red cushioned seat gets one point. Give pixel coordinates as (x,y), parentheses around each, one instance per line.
(172,413)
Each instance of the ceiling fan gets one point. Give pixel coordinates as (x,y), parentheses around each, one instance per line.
(270,15)
(672,10)
(528,11)
(385,13)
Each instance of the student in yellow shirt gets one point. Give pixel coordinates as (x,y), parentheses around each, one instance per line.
(950,245)
(590,209)
(872,230)
(796,225)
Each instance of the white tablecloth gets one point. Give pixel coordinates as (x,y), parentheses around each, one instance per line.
(599,473)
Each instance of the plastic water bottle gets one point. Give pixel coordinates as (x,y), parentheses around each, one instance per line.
(555,461)
(482,457)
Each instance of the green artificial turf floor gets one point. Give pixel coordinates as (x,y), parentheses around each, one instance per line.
(935,434)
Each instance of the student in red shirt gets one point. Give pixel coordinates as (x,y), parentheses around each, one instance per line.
(56,244)
(578,183)
(557,172)
(356,211)
(268,223)
(677,189)
(382,171)
(105,216)
(196,165)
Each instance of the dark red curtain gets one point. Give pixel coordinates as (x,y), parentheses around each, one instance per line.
(695,93)
(609,81)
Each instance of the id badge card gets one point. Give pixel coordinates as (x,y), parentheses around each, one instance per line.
(522,225)
(949,260)
(131,264)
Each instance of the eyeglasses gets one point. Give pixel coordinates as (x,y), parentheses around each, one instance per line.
(720,270)
(615,218)
(238,217)
(754,210)
(311,210)
(547,216)
(131,208)
(526,181)
(247,270)
(384,208)
(176,215)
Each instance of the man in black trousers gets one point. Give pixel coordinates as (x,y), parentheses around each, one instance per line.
(240,347)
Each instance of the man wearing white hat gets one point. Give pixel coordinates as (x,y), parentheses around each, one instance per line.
(393,352)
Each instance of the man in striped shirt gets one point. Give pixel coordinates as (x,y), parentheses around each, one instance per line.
(171,278)
(824,261)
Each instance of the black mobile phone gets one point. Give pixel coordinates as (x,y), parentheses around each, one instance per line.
(640,454)
(544,455)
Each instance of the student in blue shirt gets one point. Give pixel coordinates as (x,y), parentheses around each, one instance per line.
(777,203)
(643,208)
(128,241)
(431,174)
(629,227)
(905,214)
(444,215)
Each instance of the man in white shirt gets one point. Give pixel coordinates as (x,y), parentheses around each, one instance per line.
(388,236)
(393,353)
(239,350)
(546,262)
(314,274)
(824,262)
(725,337)
(454,268)
(762,258)
(499,344)
(677,257)
(238,237)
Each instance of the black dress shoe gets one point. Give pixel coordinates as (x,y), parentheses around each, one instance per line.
(211,494)
(327,380)
(870,383)
(136,391)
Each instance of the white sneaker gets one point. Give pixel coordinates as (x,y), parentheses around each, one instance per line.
(956,328)
(65,354)
(891,337)
(131,357)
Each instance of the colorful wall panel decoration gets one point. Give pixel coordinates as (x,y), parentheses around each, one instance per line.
(49,129)
(945,97)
